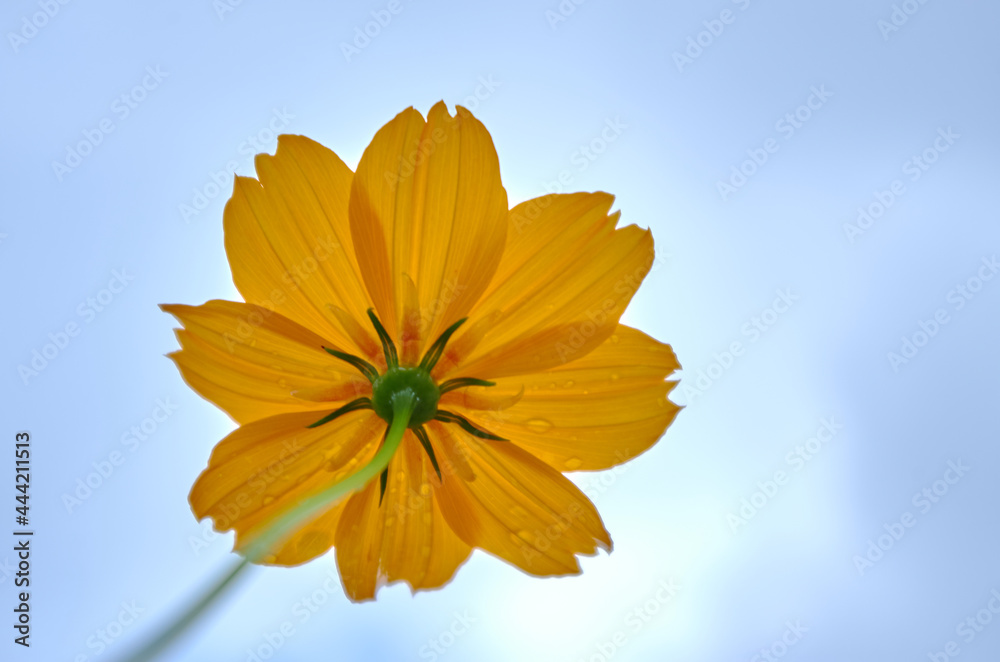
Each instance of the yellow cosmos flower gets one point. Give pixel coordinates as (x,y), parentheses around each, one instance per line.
(403,309)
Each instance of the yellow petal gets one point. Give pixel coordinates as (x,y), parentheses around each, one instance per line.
(521,509)
(263,469)
(288,238)
(566,277)
(404,539)
(427,204)
(593,413)
(249,361)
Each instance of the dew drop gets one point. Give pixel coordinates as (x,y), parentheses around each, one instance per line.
(389,521)
(283,383)
(615,376)
(268,499)
(524,535)
(539,425)
(552,384)
(573,463)
(569,384)
(425,489)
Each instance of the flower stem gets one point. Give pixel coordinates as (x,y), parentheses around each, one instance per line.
(290,522)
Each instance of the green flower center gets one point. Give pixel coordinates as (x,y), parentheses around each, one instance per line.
(413,381)
(409,392)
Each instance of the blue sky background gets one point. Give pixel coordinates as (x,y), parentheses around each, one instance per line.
(547,79)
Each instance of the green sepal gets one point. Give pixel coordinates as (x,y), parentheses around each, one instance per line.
(383,479)
(448,417)
(367,369)
(426,443)
(353,405)
(462,382)
(388,347)
(435,351)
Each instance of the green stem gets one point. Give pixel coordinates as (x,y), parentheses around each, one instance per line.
(310,508)
(290,522)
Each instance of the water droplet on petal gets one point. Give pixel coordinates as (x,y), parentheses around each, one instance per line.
(425,489)
(573,463)
(569,384)
(615,376)
(268,499)
(524,535)
(539,425)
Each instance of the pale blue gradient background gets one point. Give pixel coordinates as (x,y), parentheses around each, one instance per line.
(720,263)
